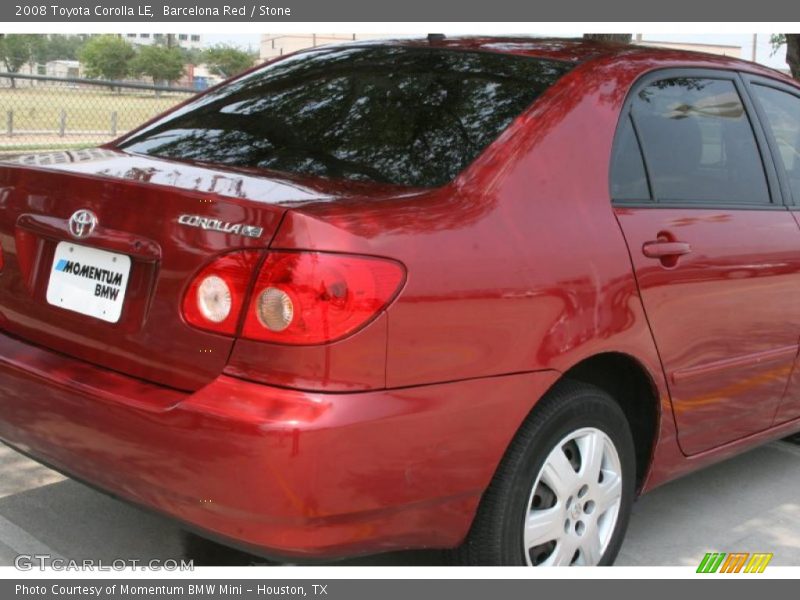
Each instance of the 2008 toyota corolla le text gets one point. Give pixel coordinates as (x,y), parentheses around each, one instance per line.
(500,287)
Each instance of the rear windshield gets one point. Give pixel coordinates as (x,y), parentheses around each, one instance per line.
(386,114)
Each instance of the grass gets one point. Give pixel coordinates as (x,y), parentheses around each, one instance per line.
(86,110)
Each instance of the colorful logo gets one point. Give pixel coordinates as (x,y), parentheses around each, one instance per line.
(734,562)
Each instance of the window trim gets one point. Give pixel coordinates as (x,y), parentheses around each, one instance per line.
(774,189)
(751,81)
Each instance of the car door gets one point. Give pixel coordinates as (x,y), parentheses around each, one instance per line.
(778,108)
(713,248)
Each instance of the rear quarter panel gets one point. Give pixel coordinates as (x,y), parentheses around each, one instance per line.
(518,266)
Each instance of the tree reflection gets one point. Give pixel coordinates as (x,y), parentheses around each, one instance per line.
(388,114)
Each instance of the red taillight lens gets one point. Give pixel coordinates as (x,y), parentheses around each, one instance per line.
(215,298)
(313,298)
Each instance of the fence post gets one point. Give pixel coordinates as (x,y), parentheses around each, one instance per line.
(10,123)
(63,125)
(113,122)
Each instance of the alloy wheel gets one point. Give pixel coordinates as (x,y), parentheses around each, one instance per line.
(575,502)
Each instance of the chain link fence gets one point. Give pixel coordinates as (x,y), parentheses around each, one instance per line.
(51,113)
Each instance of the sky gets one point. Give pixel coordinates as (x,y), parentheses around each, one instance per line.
(241,41)
(763,49)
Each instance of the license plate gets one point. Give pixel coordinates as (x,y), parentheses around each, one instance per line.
(89,281)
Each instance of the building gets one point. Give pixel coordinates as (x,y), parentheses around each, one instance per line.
(191,41)
(53,68)
(62,68)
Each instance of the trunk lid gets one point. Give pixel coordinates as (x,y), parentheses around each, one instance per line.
(169,219)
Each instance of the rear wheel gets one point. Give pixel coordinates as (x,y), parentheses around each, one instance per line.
(563,493)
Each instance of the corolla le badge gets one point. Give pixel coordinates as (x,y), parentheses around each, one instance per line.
(211,224)
(82,224)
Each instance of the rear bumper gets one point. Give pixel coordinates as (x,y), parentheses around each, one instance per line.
(291,473)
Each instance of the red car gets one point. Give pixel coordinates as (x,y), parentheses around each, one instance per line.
(446,293)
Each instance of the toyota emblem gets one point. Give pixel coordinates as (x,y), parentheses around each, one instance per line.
(82,224)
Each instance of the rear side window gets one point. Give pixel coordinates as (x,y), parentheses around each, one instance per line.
(698,142)
(388,114)
(782,111)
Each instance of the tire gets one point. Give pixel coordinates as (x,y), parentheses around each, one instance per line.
(586,519)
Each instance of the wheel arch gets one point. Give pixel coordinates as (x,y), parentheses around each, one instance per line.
(632,386)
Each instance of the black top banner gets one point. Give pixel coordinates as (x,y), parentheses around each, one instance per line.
(388,11)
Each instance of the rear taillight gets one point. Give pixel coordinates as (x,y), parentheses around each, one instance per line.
(217,294)
(299,298)
(314,298)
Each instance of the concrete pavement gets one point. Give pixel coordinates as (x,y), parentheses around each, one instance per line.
(748,504)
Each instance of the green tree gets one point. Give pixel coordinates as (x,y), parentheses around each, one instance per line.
(107,57)
(227,61)
(192,56)
(37,44)
(16,50)
(58,47)
(792,41)
(160,63)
